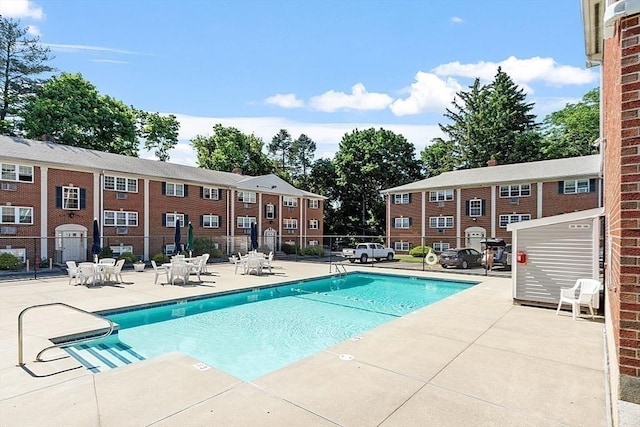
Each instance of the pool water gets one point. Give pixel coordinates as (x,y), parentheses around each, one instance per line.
(252,333)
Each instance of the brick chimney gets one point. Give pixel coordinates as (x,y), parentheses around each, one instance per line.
(237,171)
(492,162)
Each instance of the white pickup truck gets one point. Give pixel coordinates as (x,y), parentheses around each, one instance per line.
(367,251)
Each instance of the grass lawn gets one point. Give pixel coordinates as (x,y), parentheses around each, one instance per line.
(409,258)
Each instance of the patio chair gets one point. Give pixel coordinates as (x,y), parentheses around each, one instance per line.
(266,263)
(179,271)
(204,264)
(158,271)
(116,270)
(589,289)
(73,271)
(253,263)
(111,261)
(196,268)
(88,273)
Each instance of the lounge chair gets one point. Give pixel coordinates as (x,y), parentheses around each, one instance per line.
(158,271)
(589,289)
(73,271)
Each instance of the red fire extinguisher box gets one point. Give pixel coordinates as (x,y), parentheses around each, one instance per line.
(521,257)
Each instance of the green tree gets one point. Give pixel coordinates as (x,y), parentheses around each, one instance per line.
(280,147)
(570,132)
(301,160)
(23,60)
(322,180)
(441,156)
(367,162)
(160,133)
(70,109)
(228,148)
(492,121)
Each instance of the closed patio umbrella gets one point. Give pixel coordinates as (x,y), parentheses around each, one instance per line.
(190,239)
(95,247)
(254,235)
(177,238)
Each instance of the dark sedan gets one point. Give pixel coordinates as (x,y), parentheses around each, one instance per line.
(461,258)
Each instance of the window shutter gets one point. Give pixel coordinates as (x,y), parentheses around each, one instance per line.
(410,221)
(466,207)
(58,197)
(164,220)
(186,220)
(394,222)
(201,220)
(560,187)
(202,192)
(592,185)
(483,204)
(164,188)
(186,190)
(409,197)
(275,211)
(393,199)
(83,198)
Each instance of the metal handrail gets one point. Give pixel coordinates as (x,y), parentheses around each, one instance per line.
(20,346)
(337,266)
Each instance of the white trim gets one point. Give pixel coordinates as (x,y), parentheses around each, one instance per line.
(573,216)
(615,11)
(458,219)
(539,199)
(44,217)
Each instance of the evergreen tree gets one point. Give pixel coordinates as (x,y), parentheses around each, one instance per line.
(301,159)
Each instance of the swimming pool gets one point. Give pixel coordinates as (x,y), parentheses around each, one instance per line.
(249,334)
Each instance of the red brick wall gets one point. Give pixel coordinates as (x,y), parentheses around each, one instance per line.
(621,88)
(27,195)
(58,216)
(554,203)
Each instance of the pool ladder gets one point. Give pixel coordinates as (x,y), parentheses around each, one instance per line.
(340,268)
(65,344)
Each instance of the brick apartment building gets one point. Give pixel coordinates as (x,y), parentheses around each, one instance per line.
(51,193)
(612,40)
(460,208)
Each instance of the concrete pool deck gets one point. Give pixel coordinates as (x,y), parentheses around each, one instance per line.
(474,358)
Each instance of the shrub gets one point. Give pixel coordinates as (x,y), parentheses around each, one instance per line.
(289,249)
(420,251)
(9,261)
(316,250)
(215,253)
(160,258)
(203,245)
(106,252)
(128,257)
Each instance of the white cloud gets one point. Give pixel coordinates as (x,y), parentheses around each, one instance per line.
(522,71)
(109,61)
(547,105)
(73,48)
(33,31)
(358,99)
(428,93)
(457,20)
(327,136)
(288,100)
(21,9)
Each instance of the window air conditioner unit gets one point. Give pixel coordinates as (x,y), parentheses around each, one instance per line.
(121,196)
(121,230)
(247,231)
(441,230)
(9,230)
(441,204)
(9,186)
(291,231)
(514,200)
(247,205)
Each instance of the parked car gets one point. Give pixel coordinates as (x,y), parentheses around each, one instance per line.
(501,253)
(460,258)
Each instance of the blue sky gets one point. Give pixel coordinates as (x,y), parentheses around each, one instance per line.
(322,68)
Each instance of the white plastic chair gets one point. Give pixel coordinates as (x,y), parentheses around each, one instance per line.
(266,263)
(88,273)
(253,263)
(73,271)
(204,264)
(179,271)
(111,261)
(158,271)
(197,267)
(116,270)
(589,290)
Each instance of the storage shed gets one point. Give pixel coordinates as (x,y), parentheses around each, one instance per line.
(552,253)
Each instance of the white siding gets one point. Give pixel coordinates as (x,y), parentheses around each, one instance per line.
(557,255)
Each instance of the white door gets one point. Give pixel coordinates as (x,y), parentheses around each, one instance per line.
(270,238)
(71,241)
(473,237)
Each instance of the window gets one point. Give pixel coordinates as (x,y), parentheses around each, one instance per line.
(210,221)
(314,204)
(173,217)
(12,172)
(120,219)
(290,223)
(71,198)
(246,221)
(313,243)
(402,222)
(269,211)
(210,193)
(174,189)
(401,199)
(440,247)
(246,196)
(515,190)
(118,183)
(576,186)
(475,207)
(508,219)
(314,224)
(402,246)
(441,222)
(291,202)
(440,195)
(16,215)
